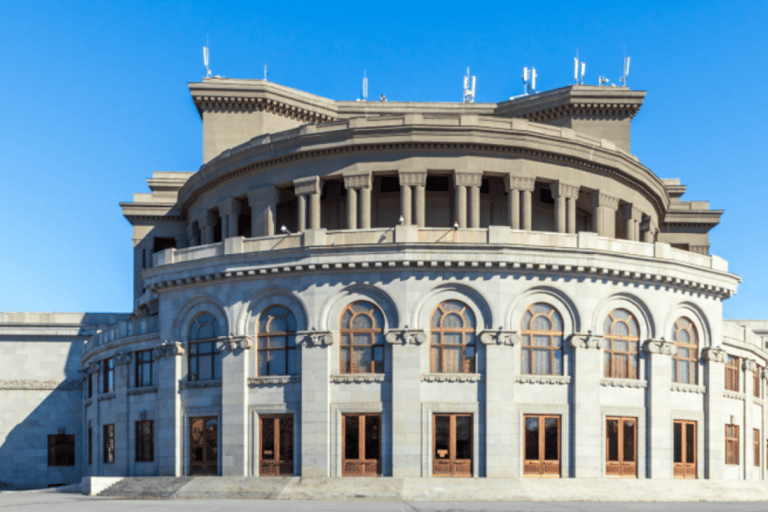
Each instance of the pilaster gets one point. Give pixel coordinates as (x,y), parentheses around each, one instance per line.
(519,188)
(357,185)
(604,214)
(315,402)
(304,187)
(416,181)
(468,182)
(565,206)
(587,419)
(750,422)
(122,414)
(632,217)
(169,427)
(660,435)
(715,422)
(234,406)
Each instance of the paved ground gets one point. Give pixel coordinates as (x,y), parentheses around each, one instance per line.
(43,501)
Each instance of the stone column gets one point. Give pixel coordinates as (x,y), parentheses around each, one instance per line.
(123,453)
(587,419)
(474,206)
(714,427)
(462,182)
(358,183)
(406,207)
(234,406)
(604,214)
(263,203)
(659,412)
(406,401)
(632,217)
(315,400)
(752,472)
(513,204)
(414,181)
(499,395)
(308,187)
(229,209)
(169,427)
(206,228)
(565,206)
(517,186)
(351,208)
(365,207)
(648,229)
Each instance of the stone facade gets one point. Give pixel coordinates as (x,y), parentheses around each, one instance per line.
(505,212)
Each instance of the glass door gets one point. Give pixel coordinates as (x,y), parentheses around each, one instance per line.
(361,444)
(452,445)
(276,451)
(204,445)
(542,446)
(621,447)
(684,464)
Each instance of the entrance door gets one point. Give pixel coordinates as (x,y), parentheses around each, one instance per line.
(452,446)
(621,447)
(204,445)
(685,449)
(361,444)
(276,452)
(542,446)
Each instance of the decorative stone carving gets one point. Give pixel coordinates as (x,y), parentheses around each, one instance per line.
(508,338)
(624,383)
(195,384)
(169,349)
(661,347)
(749,365)
(586,341)
(714,355)
(560,189)
(304,186)
(412,178)
(273,380)
(468,179)
(314,338)
(734,395)
(234,343)
(451,377)
(600,199)
(519,183)
(357,181)
(123,359)
(688,388)
(406,337)
(543,379)
(359,378)
(94,367)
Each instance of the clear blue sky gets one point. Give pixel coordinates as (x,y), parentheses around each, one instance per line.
(95,99)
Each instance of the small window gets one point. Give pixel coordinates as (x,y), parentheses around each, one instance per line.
(452,349)
(109,443)
(362,339)
(732,444)
(732,374)
(143,368)
(204,357)
(61,450)
(145,441)
(109,375)
(277,342)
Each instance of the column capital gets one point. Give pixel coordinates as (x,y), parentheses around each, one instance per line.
(600,199)
(94,367)
(579,340)
(508,338)
(630,211)
(268,194)
(560,189)
(305,186)
(412,178)
(168,349)
(314,338)
(355,181)
(661,347)
(228,206)
(714,355)
(519,183)
(406,337)
(123,359)
(749,365)
(233,343)
(468,179)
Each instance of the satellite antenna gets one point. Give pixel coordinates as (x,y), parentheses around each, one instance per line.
(578,76)
(365,86)
(206,59)
(603,80)
(625,72)
(469,91)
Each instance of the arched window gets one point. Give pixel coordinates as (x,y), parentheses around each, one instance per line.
(277,341)
(686,359)
(204,357)
(621,354)
(452,348)
(542,333)
(362,339)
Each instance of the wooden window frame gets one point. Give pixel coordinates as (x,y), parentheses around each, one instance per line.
(621,464)
(196,344)
(452,460)
(527,333)
(143,376)
(541,464)
(265,351)
(467,364)
(109,375)
(109,443)
(61,450)
(732,444)
(680,470)
(348,334)
(692,346)
(756,446)
(614,366)
(145,441)
(732,373)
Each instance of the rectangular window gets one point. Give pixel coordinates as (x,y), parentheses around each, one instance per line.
(756,435)
(732,374)
(143,368)
(90,446)
(732,444)
(145,441)
(61,450)
(109,375)
(756,382)
(204,361)
(90,384)
(109,443)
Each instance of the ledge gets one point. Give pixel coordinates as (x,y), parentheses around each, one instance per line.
(543,379)
(688,388)
(39,385)
(273,380)
(624,383)
(142,390)
(451,377)
(196,384)
(359,378)
(734,395)
(108,396)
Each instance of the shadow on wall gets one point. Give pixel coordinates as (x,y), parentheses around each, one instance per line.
(35,414)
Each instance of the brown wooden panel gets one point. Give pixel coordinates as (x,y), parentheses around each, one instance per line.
(361,466)
(276,445)
(203,445)
(548,463)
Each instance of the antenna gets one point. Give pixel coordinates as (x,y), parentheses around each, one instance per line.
(625,72)
(365,86)
(265,71)
(206,59)
(603,80)
(529,86)
(469,91)
(579,77)
(525,81)
(533,80)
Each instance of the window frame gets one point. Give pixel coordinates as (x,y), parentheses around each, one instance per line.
(756,446)
(290,343)
(731,444)
(756,387)
(613,365)
(147,367)
(692,360)
(527,333)
(348,334)
(732,373)
(109,375)
(109,443)
(61,450)
(196,344)
(467,364)
(145,441)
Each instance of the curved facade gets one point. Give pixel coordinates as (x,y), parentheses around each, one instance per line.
(417,290)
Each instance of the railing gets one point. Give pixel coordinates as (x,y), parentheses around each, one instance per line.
(123,330)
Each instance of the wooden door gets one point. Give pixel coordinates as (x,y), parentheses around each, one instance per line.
(361,444)
(621,447)
(204,445)
(276,445)
(542,446)
(684,464)
(452,445)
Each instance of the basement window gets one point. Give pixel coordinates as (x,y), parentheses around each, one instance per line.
(61,450)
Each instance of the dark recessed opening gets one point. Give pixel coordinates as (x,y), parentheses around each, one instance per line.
(390,184)
(160,243)
(485,187)
(546,196)
(438,183)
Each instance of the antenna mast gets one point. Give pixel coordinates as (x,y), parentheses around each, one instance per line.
(265,71)
(469,91)
(365,86)
(206,58)
(529,81)
(625,72)
(579,77)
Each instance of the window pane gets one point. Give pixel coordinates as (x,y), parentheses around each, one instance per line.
(541,308)
(204,332)
(557,341)
(532,438)
(452,321)
(557,322)
(268,438)
(682,367)
(527,320)
(351,437)
(442,436)
(678,442)
(362,359)
(620,329)
(262,363)
(526,357)
(682,336)
(362,321)
(629,441)
(463,437)
(278,341)
(372,437)
(292,362)
(277,325)
(286,438)
(345,360)
(205,368)
(541,341)
(436,362)
(452,338)
(542,323)
(557,365)
(690,446)
(541,362)
(613,439)
(620,345)
(361,339)
(452,305)
(452,359)
(216,366)
(277,362)
(378,319)
(551,438)
(345,319)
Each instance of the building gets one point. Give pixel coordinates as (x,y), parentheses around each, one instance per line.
(409,290)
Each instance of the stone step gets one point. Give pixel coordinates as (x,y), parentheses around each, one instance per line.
(158,487)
